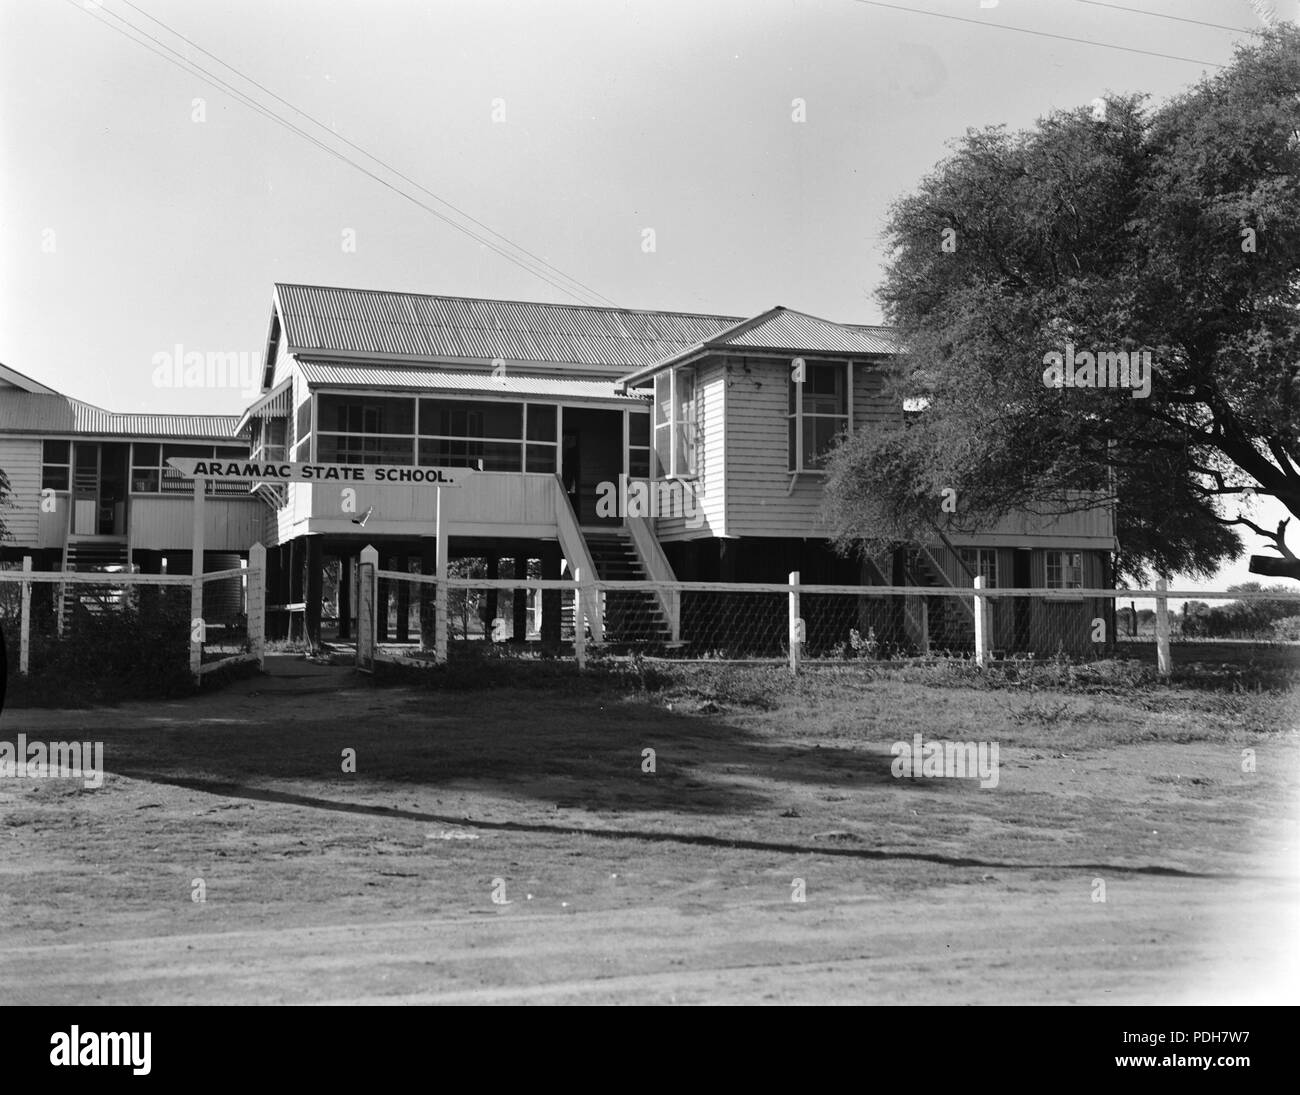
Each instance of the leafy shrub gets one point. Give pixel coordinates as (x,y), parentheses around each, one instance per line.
(137,649)
(1287,629)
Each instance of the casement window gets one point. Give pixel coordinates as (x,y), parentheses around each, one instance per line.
(56,465)
(302,432)
(638,446)
(151,474)
(268,440)
(1064,570)
(818,413)
(676,426)
(984,562)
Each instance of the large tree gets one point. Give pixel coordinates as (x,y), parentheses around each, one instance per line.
(1114,227)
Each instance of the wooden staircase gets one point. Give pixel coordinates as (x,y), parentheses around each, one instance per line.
(948,623)
(631,616)
(91,557)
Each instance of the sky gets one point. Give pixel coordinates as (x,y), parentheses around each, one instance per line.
(144,209)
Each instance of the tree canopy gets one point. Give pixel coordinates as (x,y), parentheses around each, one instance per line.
(1112,228)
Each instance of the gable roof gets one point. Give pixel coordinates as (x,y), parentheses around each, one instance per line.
(785,331)
(323,322)
(13,378)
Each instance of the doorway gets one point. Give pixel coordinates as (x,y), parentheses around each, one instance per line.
(99,488)
(592,455)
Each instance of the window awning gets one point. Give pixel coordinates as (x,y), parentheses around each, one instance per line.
(275,404)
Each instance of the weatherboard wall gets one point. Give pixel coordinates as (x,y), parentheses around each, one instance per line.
(158,522)
(20,458)
(759,498)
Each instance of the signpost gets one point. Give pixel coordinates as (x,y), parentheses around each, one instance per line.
(294,471)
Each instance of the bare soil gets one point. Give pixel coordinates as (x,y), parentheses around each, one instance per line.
(623,886)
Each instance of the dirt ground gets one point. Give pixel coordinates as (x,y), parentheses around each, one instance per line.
(625,886)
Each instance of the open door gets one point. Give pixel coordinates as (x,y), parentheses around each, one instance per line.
(592,448)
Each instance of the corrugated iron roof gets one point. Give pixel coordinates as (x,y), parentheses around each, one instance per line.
(325,373)
(22,412)
(783,329)
(370,321)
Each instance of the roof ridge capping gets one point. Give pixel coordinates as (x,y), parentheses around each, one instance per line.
(504,300)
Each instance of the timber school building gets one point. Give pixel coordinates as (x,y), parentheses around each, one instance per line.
(558,409)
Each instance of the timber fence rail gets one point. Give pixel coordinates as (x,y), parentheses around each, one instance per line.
(787,622)
(224,610)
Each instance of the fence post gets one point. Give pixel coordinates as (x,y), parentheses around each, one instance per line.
(1163,662)
(581,593)
(441,624)
(981,622)
(367,588)
(675,614)
(796,623)
(256,607)
(62,606)
(197,627)
(25,621)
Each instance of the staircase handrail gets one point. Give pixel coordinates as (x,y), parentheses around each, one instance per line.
(574,546)
(651,555)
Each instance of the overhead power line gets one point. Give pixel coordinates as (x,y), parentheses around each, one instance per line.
(1174,18)
(1035,33)
(193,68)
(366,152)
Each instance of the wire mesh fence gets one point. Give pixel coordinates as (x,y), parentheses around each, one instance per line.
(88,626)
(790,622)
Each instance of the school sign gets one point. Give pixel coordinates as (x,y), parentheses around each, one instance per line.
(286,471)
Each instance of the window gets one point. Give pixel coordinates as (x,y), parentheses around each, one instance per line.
(359,429)
(540,453)
(146,462)
(360,414)
(56,465)
(490,436)
(151,474)
(268,440)
(676,425)
(302,430)
(818,410)
(1064,570)
(984,562)
(638,445)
